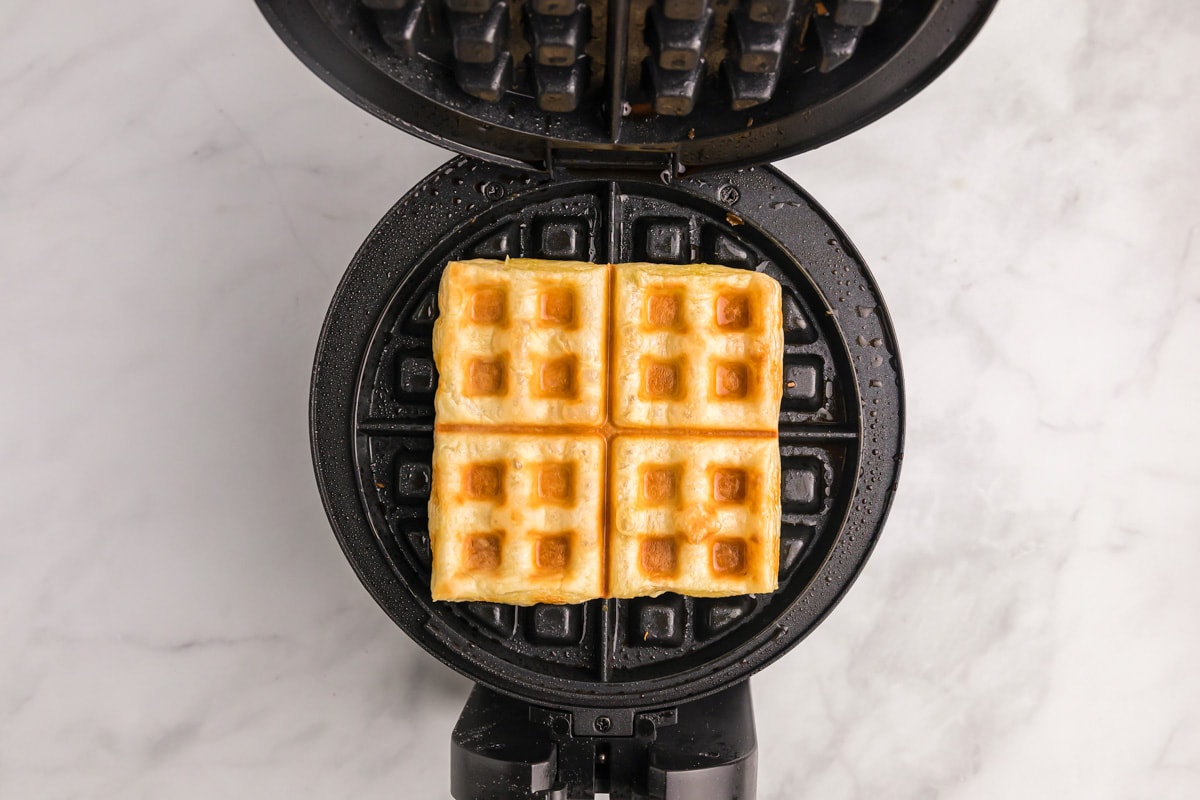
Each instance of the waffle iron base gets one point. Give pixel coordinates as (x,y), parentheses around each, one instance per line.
(840,425)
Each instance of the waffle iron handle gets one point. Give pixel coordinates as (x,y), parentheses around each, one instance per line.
(506,749)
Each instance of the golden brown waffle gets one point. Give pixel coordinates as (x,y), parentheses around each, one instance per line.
(696,347)
(695,515)
(580,453)
(519,518)
(522,344)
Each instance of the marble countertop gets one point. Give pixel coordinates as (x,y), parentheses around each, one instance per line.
(178,198)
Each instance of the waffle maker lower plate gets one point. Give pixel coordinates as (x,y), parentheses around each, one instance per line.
(840,422)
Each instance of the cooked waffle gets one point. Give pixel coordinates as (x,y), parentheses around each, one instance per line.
(517,518)
(550,488)
(697,515)
(696,347)
(522,343)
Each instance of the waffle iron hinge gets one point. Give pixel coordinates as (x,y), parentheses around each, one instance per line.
(506,749)
(581,162)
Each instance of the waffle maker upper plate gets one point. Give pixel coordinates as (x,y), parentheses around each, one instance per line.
(629,172)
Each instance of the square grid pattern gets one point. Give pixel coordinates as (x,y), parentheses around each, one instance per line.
(696,347)
(572,461)
(523,345)
(698,517)
(516,514)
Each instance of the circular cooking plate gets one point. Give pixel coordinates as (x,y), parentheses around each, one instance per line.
(840,422)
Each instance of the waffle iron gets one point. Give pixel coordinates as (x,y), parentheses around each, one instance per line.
(627,130)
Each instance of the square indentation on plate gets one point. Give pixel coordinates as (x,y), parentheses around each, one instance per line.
(717,616)
(563,238)
(499,245)
(551,625)
(801,484)
(415,534)
(804,382)
(719,248)
(663,241)
(796,325)
(500,619)
(657,622)
(423,315)
(416,375)
(794,541)
(412,479)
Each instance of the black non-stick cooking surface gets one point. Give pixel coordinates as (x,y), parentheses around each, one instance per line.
(715,83)
(840,422)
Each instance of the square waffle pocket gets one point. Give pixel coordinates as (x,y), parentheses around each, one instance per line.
(605,431)
(517,518)
(696,346)
(694,515)
(522,343)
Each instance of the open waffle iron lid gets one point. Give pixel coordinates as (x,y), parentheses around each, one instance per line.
(689,84)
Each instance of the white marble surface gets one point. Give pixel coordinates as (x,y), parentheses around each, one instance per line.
(178,197)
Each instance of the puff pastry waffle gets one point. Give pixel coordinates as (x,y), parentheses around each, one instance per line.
(605,431)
